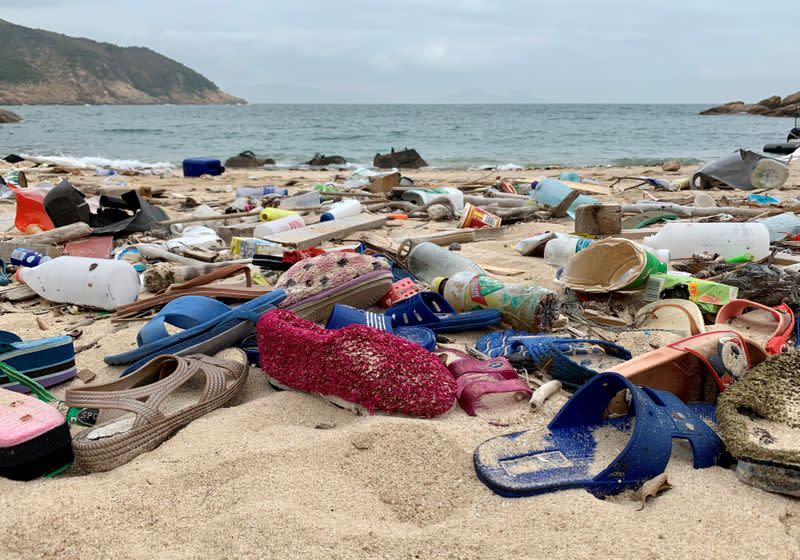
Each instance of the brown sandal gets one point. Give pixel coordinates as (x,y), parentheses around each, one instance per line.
(141,410)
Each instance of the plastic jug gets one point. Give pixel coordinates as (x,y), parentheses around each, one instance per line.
(782,225)
(97,283)
(343,209)
(428,261)
(525,307)
(728,240)
(551,192)
(281,224)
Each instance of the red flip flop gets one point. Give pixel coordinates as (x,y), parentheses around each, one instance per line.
(769,327)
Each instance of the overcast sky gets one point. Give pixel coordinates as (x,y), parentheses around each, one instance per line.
(440,51)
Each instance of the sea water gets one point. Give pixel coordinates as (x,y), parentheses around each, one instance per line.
(459,136)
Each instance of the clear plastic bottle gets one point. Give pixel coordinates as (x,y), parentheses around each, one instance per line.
(782,225)
(525,307)
(428,261)
(97,283)
(684,239)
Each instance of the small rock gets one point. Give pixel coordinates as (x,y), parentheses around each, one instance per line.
(439,212)
(454,247)
(86,375)
(671,165)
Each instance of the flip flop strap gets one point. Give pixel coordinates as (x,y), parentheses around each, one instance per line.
(185,312)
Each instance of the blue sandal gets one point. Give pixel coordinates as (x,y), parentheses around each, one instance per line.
(343,315)
(210,326)
(573,361)
(48,361)
(529,463)
(429,309)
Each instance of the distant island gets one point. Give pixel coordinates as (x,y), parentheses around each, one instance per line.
(775,106)
(44,68)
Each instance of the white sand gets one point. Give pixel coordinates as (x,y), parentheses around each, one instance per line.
(288,475)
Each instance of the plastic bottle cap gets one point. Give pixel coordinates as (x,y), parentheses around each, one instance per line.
(326,217)
(438,284)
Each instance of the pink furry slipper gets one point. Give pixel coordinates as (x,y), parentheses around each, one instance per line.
(357,364)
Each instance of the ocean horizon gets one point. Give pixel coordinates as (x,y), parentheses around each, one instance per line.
(457,135)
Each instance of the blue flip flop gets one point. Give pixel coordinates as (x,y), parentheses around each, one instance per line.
(48,361)
(343,315)
(210,326)
(528,463)
(429,309)
(573,361)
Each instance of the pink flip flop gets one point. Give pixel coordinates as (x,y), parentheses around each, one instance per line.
(478,378)
(769,327)
(354,365)
(313,286)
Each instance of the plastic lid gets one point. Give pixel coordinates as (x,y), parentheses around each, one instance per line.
(438,285)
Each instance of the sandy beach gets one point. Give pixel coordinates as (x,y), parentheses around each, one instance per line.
(281,474)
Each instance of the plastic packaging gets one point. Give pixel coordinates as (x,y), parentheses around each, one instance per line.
(558,251)
(306,200)
(609,265)
(202,211)
(428,261)
(281,224)
(197,236)
(257,192)
(709,296)
(685,239)
(524,306)
(343,209)
(551,192)
(97,283)
(420,197)
(25,257)
(782,226)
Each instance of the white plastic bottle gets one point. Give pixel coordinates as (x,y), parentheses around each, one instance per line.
(684,239)
(558,251)
(97,283)
(281,224)
(343,209)
(428,261)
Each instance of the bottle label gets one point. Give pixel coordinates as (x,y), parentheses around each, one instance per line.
(481,286)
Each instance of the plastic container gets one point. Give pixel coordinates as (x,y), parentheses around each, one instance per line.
(769,174)
(428,261)
(306,200)
(551,192)
(558,251)
(725,239)
(257,192)
(782,225)
(197,236)
(610,265)
(202,211)
(343,209)
(268,214)
(97,283)
(474,217)
(421,197)
(525,307)
(25,257)
(30,207)
(281,224)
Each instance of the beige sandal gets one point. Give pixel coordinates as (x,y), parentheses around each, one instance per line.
(141,410)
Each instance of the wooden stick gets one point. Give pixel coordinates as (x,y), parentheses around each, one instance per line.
(209,218)
(60,235)
(692,211)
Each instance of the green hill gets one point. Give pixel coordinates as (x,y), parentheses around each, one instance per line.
(42,68)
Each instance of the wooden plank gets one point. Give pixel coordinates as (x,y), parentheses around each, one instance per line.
(598,219)
(587,187)
(311,236)
(98,247)
(20,292)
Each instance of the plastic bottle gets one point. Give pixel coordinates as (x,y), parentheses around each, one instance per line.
(257,192)
(782,225)
(428,261)
(525,307)
(551,192)
(268,214)
(306,200)
(769,174)
(97,283)
(25,257)
(558,251)
(725,239)
(343,209)
(281,224)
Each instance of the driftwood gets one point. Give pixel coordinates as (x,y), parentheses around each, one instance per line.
(598,219)
(150,251)
(504,202)
(59,235)
(210,218)
(692,211)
